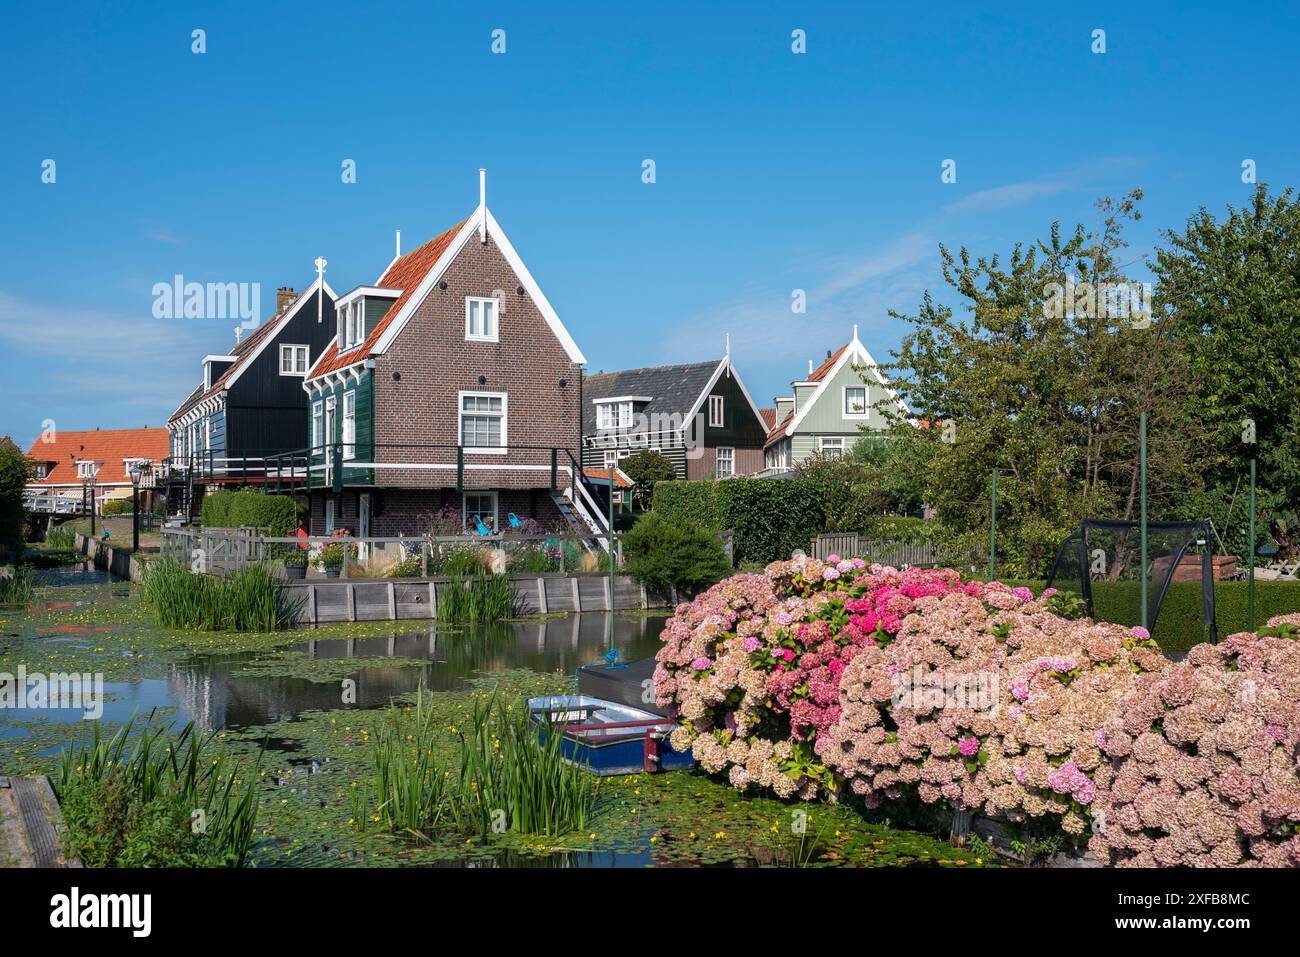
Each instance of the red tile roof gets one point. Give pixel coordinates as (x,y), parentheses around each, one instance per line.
(405,274)
(779,431)
(108,447)
(822,370)
(769,418)
(621,479)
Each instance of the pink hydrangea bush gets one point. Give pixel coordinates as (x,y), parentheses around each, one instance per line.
(1203,759)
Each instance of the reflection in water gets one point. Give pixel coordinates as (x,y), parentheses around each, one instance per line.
(215,692)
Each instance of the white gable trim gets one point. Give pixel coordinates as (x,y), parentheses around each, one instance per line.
(854,348)
(481,215)
(248,360)
(723,366)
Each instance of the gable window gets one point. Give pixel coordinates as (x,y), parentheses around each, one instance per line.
(725,465)
(293,359)
(831,447)
(613,416)
(715,411)
(481,506)
(317,419)
(481,319)
(349,425)
(855,401)
(483,421)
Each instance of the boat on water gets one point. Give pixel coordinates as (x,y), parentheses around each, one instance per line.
(612,726)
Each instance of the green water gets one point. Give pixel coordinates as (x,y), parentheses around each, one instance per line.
(287,691)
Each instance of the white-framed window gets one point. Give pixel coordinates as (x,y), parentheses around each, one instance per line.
(831,446)
(614,456)
(329,516)
(483,421)
(331,411)
(715,411)
(352,325)
(86,469)
(777,456)
(855,402)
(480,505)
(612,416)
(481,319)
(293,359)
(349,425)
(317,423)
(40,470)
(725,462)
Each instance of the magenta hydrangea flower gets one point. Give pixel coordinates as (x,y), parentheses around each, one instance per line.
(1140,633)
(968,747)
(833,559)
(751,644)
(830,574)
(699,664)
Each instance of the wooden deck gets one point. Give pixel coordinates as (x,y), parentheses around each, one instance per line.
(28,838)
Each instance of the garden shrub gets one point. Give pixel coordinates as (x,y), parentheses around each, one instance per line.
(13,480)
(666,553)
(819,678)
(278,514)
(770,517)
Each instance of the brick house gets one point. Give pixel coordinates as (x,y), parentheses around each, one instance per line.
(698,415)
(451,385)
(64,465)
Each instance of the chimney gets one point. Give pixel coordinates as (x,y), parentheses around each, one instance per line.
(398,244)
(284,297)
(828,353)
(810,367)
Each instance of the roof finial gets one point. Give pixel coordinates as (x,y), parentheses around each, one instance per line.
(855,332)
(810,367)
(239,331)
(321,263)
(397,241)
(482,204)
(728,355)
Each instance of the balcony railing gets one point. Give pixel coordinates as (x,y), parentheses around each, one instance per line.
(215,465)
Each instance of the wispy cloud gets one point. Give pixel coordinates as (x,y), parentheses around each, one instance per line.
(1084,177)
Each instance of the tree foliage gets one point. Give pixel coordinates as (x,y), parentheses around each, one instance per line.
(645,468)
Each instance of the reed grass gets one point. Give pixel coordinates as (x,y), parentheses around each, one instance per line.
(61,537)
(184,772)
(248,600)
(17,589)
(509,777)
(481,597)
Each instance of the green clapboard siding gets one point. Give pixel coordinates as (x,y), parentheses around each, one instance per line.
(365,437)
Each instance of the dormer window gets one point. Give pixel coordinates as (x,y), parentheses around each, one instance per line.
(353,323)
(613,416)
(86,469)
(481,319)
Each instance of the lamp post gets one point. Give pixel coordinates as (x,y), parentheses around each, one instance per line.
(137,471)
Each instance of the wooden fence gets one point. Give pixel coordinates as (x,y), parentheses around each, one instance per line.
(883,550)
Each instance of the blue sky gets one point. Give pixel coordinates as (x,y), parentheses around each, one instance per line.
(775,171)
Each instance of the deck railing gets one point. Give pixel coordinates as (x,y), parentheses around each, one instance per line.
(223,551)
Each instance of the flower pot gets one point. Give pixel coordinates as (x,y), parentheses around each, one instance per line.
(331,573)
(295,571)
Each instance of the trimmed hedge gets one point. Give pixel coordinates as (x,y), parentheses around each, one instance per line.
(276,513)
(1180,623)
(770,517)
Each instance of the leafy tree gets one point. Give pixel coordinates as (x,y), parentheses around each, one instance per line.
(13,479)
(1042,378)
(645,468)
(1230,291)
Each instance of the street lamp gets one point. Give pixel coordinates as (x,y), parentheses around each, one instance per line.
(137,472)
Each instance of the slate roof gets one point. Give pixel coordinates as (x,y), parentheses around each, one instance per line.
(672,389)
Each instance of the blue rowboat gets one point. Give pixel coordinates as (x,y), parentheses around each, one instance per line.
(606,737)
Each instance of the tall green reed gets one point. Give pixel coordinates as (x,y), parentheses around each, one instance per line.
(248,600)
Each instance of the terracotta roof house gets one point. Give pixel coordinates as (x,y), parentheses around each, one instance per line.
(698,415)
(831,408)
(249,404)
(63,463)
(450,383)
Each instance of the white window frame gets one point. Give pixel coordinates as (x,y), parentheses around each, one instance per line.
(293,351)
(329,515)
(350,424)
(716,411)
(614,456)
(615,416)
(460,422)
(831,443)
(86,468)
(717,461)
(866,401)
(482,335)
(317,423)
(495,524)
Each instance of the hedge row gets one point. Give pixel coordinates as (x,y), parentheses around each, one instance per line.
(1180,624)
(769,517)
(276,513)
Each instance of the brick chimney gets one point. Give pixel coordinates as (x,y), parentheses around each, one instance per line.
(284,297)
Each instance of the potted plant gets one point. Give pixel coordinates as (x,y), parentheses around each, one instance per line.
(330,559)
(295,563)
